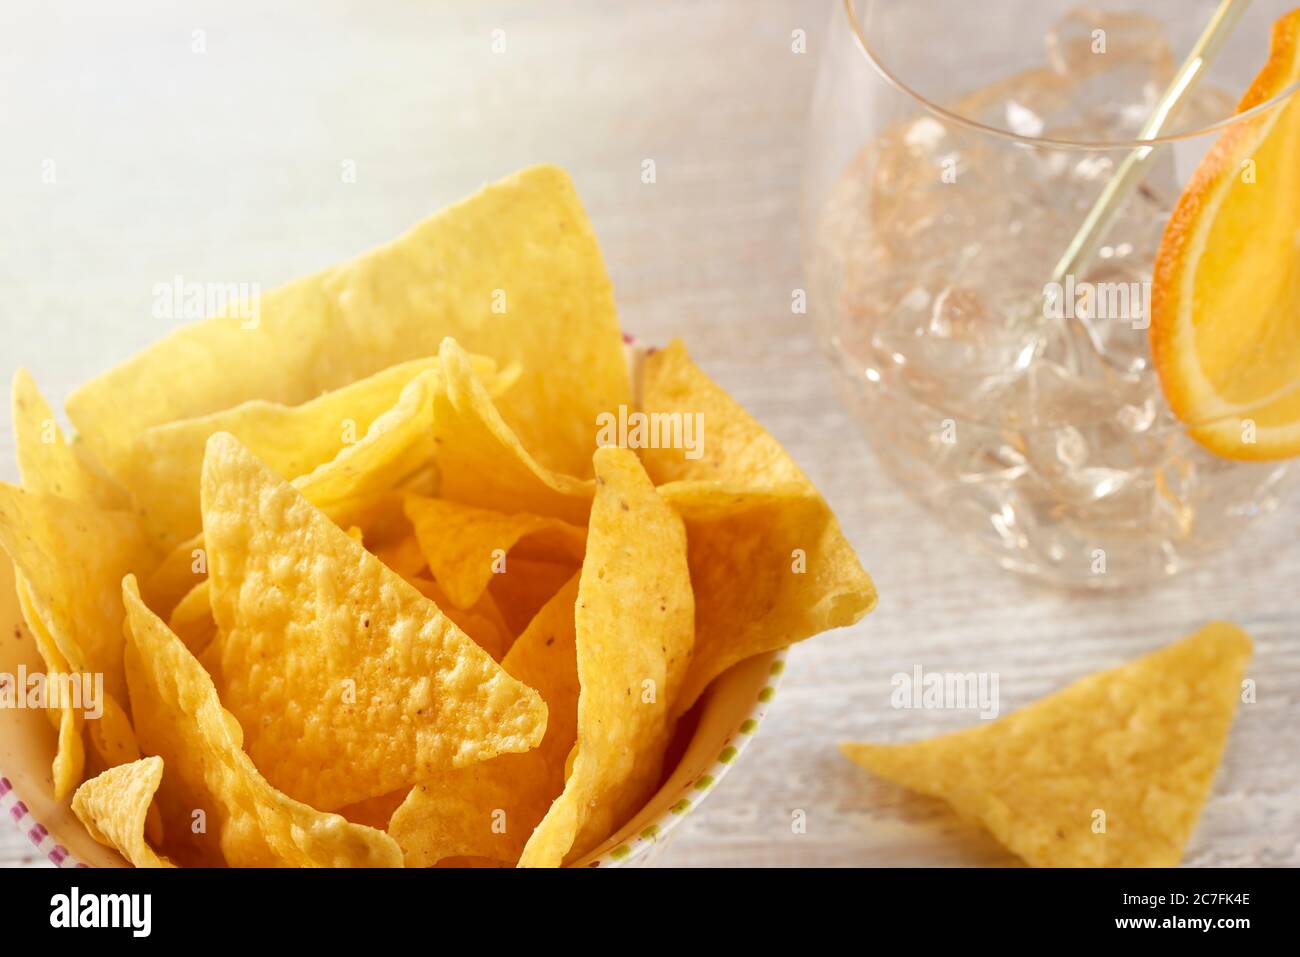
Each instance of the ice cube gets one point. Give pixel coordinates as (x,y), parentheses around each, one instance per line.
(1117,66)
(1087,41)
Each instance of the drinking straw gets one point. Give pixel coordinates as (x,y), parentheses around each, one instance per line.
(1129,174)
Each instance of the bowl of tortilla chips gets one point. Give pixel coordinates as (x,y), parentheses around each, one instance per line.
(414,563)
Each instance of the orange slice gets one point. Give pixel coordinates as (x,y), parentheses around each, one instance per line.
(1225,302)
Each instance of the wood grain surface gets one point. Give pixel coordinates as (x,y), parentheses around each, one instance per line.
(225,165)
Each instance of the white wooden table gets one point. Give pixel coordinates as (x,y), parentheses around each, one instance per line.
(227,163)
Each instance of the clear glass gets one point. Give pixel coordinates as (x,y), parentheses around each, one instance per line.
(954,151)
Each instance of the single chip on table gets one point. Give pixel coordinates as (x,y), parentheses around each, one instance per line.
(349,683)
(210,781)
(1111,771)
(115,805)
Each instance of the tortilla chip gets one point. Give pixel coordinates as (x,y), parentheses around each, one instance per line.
(489,810)
(167,460)
(46,461)
(485,630)
(72,558)
(215,806)
(184,566)
(112,736)
(403,556)
(736,450)
(397,445)
(192,620)
(483,462)
(351,488)
(764,545)
(69,765)
(1138,744)
(375,812)
(371,687)
(384,521)
(634,623)
(70,503)
(464,546)
(114,806)
(525,586)
(776,570)
(513,273)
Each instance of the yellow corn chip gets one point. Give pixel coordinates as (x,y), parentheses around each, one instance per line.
(464,546)
(167,460)
(112,736)
(375,812)
(776,570)
(1109,772)
(525,586)
(72,558)
(361,491)
(485,631)
(80,632)
(115,805)
(735,448)
(483,462)
(634,623)
(403,556)
(69,763)
(487,609)
(513,273)
(489,810)
(176,575)
(192,619)
(396,446)
(215,806)
(46,461)
(352,486)
(383,522)
(70,758)
(370,686)
(764,545)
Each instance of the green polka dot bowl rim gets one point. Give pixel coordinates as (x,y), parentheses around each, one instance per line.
(729,716)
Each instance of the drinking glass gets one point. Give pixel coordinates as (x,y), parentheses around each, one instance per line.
(955,152)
